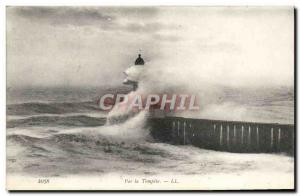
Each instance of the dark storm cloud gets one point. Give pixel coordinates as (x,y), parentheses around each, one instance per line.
(64,15)
(106,18)
(145,12)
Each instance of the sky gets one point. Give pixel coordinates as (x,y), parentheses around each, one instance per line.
(92,46)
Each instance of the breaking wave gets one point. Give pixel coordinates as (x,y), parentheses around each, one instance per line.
(53,121)
(51,108)
(69,138)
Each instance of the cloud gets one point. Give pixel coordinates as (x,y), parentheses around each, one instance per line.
(224,47)
(64,15)
(167,37)
(147,27)
(255,11)
(147,13)
(105,18)
(193,42)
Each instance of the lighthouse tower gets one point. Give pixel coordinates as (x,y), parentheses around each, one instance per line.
(134,72)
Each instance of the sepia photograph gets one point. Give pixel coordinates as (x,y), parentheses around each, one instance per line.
(150,98)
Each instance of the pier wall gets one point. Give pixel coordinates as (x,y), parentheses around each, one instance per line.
(232,136)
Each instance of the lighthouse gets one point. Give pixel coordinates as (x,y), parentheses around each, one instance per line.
(139,60)
(133,73)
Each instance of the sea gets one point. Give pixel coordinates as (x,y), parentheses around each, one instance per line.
(60,133)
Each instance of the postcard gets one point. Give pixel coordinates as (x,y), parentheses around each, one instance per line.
(150,98)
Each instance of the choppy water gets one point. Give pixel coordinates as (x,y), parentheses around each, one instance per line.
(58,132)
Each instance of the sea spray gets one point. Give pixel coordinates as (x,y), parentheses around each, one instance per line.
(133,129)
(120,112)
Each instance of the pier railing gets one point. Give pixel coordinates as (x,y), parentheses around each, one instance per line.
(232,136)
